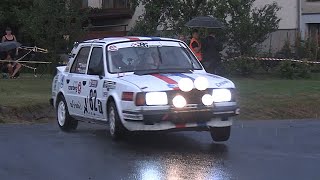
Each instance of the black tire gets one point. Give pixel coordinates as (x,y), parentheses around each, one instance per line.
(68,123)
(220,134)
(118,131)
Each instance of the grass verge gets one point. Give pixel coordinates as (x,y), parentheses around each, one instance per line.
(26,99)
(278,98)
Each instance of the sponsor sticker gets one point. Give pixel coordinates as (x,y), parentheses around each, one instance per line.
(222,83)
(140,44)
(75,105)
(173,86)
(55,82)
(109,85)
(79,88)
(112,48)
(93,83)
(105,94)
(75,88)
(62,82)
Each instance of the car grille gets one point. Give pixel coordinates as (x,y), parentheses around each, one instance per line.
(192,97)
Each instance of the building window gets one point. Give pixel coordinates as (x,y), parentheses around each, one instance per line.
(107,4)
(85,3)
(314,32)
(80,3)
(114,4)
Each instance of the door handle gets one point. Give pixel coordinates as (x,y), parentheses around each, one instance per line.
(68,80)
(84,83)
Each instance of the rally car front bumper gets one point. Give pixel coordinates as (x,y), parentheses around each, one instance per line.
(190,114)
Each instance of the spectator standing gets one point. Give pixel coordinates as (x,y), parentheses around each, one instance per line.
(12,68)
(195,45)
(211,53)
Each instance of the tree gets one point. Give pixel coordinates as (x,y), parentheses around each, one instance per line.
(246,26)
(51,24)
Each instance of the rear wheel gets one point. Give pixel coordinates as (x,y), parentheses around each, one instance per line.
(65,121)
(220,134)
(116,128)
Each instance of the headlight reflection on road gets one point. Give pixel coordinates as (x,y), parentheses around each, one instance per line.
(150,170)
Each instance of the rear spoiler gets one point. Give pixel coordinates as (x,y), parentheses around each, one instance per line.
(61,69)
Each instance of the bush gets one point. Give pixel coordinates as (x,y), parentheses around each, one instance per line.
(286,70)
(303,70)
(292,70)
(241,66)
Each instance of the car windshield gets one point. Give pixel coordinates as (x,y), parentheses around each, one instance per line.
(151,57)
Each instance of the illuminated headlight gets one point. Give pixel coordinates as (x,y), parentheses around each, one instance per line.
(156,98)
(185,84)
(201,83)
(179,101)
(207,100)
(221,95)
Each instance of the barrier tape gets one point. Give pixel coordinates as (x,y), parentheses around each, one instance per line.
(30,49)
(274,59)
(31,62)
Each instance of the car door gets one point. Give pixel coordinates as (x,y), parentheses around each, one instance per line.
(94,105)
(75,82)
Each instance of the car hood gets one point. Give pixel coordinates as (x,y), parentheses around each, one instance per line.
(169,81)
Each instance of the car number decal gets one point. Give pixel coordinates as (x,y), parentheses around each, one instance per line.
(92,105)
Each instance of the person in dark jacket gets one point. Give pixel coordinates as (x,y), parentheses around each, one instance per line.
(211,53)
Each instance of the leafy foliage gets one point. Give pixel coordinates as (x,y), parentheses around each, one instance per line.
(246,26)
(44,23)
(291,70)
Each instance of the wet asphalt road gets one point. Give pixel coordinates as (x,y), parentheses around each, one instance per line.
(257,150)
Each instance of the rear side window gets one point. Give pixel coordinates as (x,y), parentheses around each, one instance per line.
(80,63)
(96,62)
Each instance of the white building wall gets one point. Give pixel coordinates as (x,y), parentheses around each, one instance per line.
(95,3)
(289,12)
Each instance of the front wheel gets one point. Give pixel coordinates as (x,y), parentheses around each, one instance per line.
(116,128)
(220,134)
(65,121)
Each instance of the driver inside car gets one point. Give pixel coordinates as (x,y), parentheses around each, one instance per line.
(117,62)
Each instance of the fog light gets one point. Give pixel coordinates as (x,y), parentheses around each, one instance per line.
(179,101)
(185,84)
(207,100)
(201,83)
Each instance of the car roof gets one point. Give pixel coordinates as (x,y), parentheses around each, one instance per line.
(111,40)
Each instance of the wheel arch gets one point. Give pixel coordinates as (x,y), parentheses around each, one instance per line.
(117,103)
(59,95)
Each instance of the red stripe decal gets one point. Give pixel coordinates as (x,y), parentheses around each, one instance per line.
(133,38)
(180,126)
(167,80)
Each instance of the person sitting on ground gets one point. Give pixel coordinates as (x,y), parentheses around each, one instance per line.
(11,68)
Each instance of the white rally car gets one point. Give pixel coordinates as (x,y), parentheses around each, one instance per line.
(142,84)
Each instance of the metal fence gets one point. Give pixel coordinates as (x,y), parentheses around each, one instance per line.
(277,39)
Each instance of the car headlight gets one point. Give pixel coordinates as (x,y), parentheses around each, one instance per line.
(221,95)
(179,101)
(156,98)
